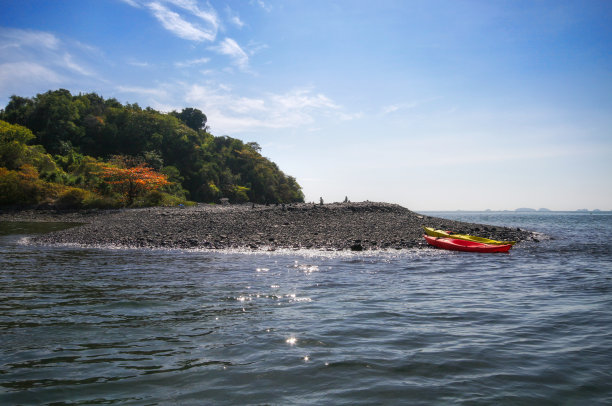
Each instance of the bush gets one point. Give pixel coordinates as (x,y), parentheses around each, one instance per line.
(239,194)
(22,187)
(10,188)
(159,198)
(154,198)
(102,202)
(73,198)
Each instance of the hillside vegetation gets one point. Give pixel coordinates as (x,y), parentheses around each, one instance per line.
(85,151)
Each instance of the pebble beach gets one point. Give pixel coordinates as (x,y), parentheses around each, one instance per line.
(336,226)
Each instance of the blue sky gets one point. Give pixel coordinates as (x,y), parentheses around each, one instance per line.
(434,105)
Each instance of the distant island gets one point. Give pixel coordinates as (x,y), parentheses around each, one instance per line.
(527,210)
(83,151)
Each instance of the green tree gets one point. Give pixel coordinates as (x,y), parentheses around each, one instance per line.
(13,149)
(18,110)
(75,127)
(193,118)
(54,119)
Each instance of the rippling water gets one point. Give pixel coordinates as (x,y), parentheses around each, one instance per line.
(104,326)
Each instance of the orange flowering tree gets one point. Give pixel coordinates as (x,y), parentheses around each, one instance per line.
(132,182)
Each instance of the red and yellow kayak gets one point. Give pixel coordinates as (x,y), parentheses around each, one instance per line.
(449,234)
(455,244)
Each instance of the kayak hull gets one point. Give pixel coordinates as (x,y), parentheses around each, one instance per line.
(447,234)
(454,244)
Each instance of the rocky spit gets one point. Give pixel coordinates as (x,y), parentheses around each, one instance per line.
(336,226)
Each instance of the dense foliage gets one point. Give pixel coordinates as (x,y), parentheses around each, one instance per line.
(64,141)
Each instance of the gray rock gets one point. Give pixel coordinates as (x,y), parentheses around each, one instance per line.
(346,226)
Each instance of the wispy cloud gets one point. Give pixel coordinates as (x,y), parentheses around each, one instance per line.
(231,48)
(29,71)
(193,62)
(17,38)
(303,99)
(237,21)
(143,91)
(187,19)
(231,113)
(140,64)
(262,4)
(37,59)
(183,18)
(132,3)
(74,66)
(174,23)
(393,108)
(209,16)
(254,47)
(234,18)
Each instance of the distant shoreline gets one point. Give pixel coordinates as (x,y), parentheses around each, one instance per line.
(519,211)
(336,226)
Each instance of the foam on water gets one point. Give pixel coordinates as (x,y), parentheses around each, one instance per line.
(260,251)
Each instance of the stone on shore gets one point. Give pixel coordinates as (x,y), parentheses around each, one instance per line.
(336,226)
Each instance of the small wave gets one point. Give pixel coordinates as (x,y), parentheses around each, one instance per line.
(260,251)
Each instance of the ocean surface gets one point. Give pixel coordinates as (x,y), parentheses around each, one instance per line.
(156,327)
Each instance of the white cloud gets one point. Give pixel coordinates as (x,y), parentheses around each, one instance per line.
(231,48)
(254,47)
(26,78)
(245,105)
(392,108)
(209,16)
(139,64)
(301,99)
(229,113)
(132,3)
(97,52)
(174,23)
(237,21)
(72,65)
(16,38)
(183,18)
(26,71)
(157,92)
(234,18)
(349,116)
(36,60)
(193,62)
(262,5)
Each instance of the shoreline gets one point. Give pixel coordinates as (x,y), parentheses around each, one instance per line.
(365,226)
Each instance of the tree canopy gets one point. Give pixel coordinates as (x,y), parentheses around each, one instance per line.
(68,129)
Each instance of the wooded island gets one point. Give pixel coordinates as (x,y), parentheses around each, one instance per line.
(83,151)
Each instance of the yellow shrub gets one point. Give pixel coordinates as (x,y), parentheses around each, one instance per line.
(73,198)
(20,187)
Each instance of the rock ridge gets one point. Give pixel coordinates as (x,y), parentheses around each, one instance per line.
(336,226)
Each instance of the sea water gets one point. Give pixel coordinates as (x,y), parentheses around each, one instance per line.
(145,327)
